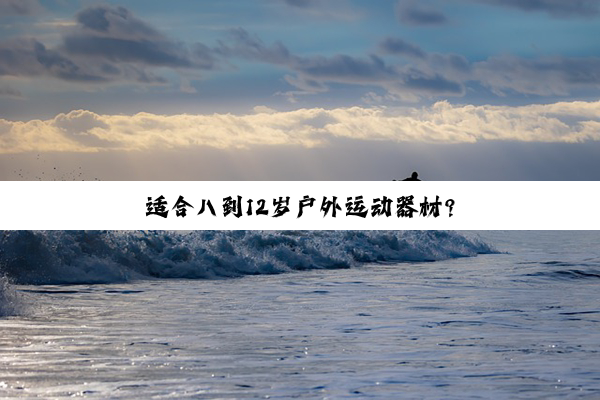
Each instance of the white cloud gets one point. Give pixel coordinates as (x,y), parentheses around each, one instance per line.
(264,110)
(85,131)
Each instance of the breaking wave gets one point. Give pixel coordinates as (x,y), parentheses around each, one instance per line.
(10,300)
(74,257)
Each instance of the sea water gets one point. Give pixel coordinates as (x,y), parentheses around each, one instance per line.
(300,314)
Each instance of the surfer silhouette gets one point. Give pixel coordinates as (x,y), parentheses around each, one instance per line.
(413,177)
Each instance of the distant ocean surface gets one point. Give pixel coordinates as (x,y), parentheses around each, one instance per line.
(317,314)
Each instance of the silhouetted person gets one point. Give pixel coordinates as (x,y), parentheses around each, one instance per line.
(413,177)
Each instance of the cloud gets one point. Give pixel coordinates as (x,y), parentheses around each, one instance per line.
(412,13)
(299,3)
(556,8)
(108,44)
(8,91)
(19,7)
(400,47)
(85,131)
(329,9)
(544,76)
(114,34)
(425,74)
(77,125)
(315,72)
(243,44)
(23,57)
(28,57)
(115,21)
(264,110)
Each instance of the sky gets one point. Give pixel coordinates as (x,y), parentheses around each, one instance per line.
(299,89)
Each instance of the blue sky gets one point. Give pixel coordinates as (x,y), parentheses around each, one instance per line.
(241,77)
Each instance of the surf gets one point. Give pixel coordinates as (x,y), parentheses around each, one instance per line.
(89,257)
(11,301)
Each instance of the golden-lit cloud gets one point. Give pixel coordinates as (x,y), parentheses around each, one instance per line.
(85,131)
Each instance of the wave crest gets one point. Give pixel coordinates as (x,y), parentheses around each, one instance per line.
(56,257)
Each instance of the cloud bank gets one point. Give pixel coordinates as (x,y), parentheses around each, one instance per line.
(542,76)
(85,131)
(110,45)
(420,74)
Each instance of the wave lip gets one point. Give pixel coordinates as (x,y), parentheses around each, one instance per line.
(73,257)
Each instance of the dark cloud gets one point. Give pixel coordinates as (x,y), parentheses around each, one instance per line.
(412,13)
(299,3)
(114,34)
(316,68)
(28,57)
(19,7)
(344,68)
(243,44)
(545,76)
(448,64)
(448,73)
(115,21)
(343,10)
(557,8)
(109,44)
(8,91)
(315,72)
(402,48)
(129,51)
(434,85)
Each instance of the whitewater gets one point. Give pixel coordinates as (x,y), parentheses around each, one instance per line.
(316,314)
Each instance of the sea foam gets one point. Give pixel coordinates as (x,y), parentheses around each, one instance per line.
(11,302)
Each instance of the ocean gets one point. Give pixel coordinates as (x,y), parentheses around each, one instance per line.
(317,314)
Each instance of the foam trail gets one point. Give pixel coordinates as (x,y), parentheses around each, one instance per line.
(55,257)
